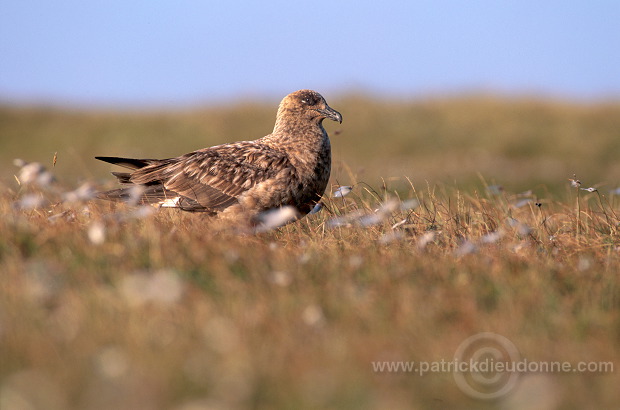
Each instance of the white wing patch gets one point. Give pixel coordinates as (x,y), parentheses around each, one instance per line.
(170,202)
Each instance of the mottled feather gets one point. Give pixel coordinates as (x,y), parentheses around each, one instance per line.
(290,166)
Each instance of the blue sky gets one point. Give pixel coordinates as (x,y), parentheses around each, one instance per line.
(145,52)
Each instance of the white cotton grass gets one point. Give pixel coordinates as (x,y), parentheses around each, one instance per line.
(275,218)
(390,237)
(465,248)
(135,194)
(281,278)
(31,201)
(32,173)
(380,215)
(371,219)
(424,239)
(492,237)
(520,227)
(142,212)
(342,191)
(312,315)
(345,220)
(163,287)
(112,362)
(574,182)
(409,204)
(84,192)
(521,203)
(96,233)
(469,246)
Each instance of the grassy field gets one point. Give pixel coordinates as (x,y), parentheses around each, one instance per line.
(519,143)
(462,220)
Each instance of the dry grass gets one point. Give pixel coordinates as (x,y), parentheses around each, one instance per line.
(105,306)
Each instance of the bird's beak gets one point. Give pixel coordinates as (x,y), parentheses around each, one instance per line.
(332,114)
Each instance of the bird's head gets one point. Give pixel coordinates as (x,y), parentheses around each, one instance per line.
(307,105)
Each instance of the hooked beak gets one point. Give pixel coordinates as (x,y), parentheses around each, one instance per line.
(332,114)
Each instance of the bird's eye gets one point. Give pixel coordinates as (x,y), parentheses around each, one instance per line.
(309,100)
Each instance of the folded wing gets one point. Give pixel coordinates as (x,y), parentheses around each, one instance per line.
(208,180)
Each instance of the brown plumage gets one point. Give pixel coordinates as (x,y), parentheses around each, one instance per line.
(290,166)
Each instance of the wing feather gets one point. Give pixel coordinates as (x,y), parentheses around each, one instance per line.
(215,177)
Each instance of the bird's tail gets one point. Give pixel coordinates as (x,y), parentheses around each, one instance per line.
(130,163)
(136,194)
(147,190)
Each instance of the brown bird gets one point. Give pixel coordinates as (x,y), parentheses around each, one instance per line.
(289,167)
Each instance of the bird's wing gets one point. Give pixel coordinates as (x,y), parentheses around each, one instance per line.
(215,177)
